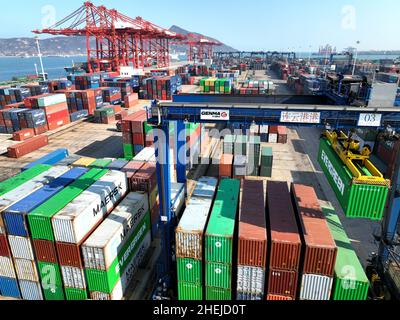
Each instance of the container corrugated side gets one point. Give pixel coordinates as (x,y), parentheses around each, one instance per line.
(282,282)
(45,251)
(246,296)
(102,247)
(31,290)
(285,237)
(40,218)
(251,280)
(221,227)
(274,297)
(4,247)
(252,246)
(51,281)
(73,277)
(189,270)
(7,268)
(26,270)
(50,158)
(218,294)
(351,282)
(190,292)
(205,188)
(357,201)
(218,275)
(320,247)
(73,223)
(116,295)
(21,247)
(72,294)
(15,216)
(9,287)
(316,287)
(190,231)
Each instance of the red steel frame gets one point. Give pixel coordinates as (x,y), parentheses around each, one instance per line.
(199,47)
(116,39)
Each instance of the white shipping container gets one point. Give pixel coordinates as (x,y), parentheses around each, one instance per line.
(26,270)
(246,296)
(21,247)
(251,280)
(31,186)
(146,155)
(52,99)
(316,287)
(205,188)
(74,222)
(126,278)
(7,268)
(103,246)
(264,129)
(178,197)
(273,138)
(73,277)
(31,290)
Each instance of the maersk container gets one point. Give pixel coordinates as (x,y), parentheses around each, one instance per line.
(73,294)
(103,246)
(350,280)
(40,218)
(20,179)
(50,159)
(316,287)
(190,292)
(189,270)
(130,271)
(105,281)
(251,280)
(205,188)
(218,294)
(73,223)
(26,270)
(73,277)
(221,227)
(15,216)
(51,281)
(21,248)
(9,287)
(31,290)
(357,200)
(7,268)
(191,228)
(218,275)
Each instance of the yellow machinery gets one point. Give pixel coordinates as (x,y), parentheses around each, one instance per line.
(362,169)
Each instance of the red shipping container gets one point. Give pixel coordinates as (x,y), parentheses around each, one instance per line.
(121,115)
(45,251)
(155,214)
(127,138)
(145,179)
(320,247)
(41,129)
(57,116)
(55,108)
(252,246)
(138,123)
(274,297)
(131,168)
(69,255)
(23,124)
(273,129)
(226,166)
(284,233)
(283,283)
(138,139)
(108,120)
(23,134)
(26,147)
(117,108)
(58,124)
(4,248)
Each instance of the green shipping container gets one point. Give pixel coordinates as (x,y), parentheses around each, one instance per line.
(267,157)
(100,163)
(18,180)
(357,200)
(190,292)
(221,227)
(128,151)
(218,275)
(217,294)
(350,282)
(40,218)
(105,281)
(50,278)
(76,294)
(189,270)
(266,172)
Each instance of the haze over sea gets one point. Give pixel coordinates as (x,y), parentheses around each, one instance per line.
(19,67)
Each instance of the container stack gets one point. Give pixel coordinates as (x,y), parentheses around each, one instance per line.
(11,119)
(40,223)
(104,115)
(219,244)
(134,133)
(240,167)
(346,286)
(162,88)
(112,95)
(273,134)
(319,246)
(37,89)
(284,264)
(113,253)
(253,241)
(264,133)
(122,84)
(253,155)
(89,100)
(13,95)
(267,162)
(190,240)
(92,206)
(83,82)
(216,86)
(16,221)
(226,166)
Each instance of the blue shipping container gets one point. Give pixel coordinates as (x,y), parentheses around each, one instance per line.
(9,288)
(79,115)
(51,158)
(15,216)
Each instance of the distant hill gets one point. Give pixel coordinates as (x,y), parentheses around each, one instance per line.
(180,30)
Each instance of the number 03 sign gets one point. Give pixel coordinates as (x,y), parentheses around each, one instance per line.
(370,120)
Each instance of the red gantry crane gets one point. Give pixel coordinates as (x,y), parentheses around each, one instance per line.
(114,39)
(199,47)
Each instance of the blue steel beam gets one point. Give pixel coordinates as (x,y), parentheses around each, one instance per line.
(181,152)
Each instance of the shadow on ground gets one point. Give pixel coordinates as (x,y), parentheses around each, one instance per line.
(108,148)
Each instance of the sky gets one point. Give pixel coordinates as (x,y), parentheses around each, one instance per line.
(298,25)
